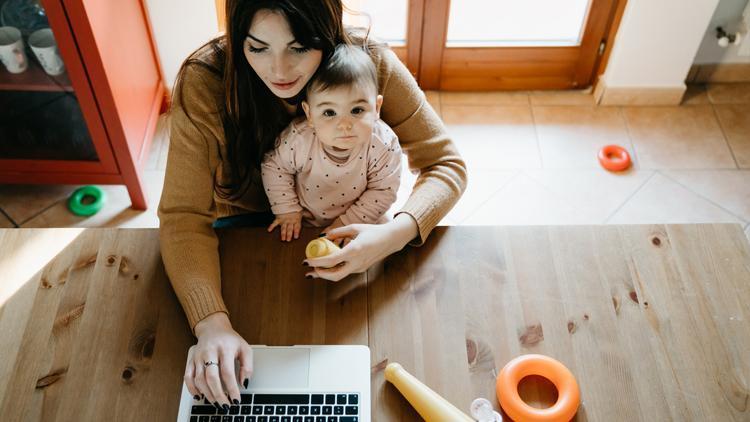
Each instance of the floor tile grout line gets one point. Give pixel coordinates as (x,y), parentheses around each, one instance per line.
(492,195)
(724,135)
(47,208)
(163,139)
(504,185)
(2,211)
(703,197)
(703,169)
(717,102)
(563,198)
(609,217)
(536,136)
(636,159)
(708,93)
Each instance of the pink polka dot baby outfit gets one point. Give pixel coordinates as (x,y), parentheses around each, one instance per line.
(358,185)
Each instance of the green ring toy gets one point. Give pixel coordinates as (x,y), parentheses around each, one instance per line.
(76,205)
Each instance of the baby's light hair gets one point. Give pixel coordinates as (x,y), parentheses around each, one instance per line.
(347,65)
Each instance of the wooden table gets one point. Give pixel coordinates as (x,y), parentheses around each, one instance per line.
(652,320)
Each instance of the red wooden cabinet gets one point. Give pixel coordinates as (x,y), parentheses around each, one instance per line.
(94,123)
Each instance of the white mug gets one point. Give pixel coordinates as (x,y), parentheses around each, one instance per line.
(12,54)
(43,44)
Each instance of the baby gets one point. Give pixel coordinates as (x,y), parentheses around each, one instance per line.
(342,164)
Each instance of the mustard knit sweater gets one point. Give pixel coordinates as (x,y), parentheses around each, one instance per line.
(189,205)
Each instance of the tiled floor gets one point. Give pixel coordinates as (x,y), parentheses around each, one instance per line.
(532,160)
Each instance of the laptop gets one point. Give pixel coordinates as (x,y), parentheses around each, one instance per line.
(296,384)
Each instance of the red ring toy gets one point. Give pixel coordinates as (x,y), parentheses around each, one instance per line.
(614,158)
(568,395)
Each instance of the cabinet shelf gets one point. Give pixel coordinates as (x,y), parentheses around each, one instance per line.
(94,123)
(33,79)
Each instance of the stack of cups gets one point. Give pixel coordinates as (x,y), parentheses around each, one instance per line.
(12,54)
(42,43)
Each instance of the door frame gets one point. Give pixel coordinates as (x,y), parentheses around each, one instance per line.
(510,68)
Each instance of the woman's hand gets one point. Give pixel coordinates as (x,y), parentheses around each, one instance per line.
(218,342)
(341,241)
(370,243)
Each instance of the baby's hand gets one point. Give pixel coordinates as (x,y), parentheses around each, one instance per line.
(289,224)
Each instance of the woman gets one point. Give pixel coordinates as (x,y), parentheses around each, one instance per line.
(233,97)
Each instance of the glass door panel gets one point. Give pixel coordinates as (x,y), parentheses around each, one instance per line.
(41,118)
(516,23)
(387,19)
(514,45)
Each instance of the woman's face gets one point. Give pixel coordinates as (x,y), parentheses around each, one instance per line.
(280,61)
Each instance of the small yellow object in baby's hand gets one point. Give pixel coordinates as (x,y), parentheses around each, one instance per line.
(320,247)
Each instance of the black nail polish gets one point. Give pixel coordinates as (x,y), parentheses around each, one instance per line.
(196,397)
(305,263)
(235,401)
(216,405)
(308,276)
(225,407)
(323,234)
(246,382)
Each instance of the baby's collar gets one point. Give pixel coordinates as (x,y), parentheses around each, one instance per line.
(300,124)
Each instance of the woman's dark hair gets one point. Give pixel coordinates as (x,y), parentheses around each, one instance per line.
(348,65)
(252,115)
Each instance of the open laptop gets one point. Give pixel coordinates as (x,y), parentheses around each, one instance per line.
(296,384)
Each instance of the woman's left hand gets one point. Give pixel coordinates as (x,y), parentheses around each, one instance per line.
(370,243)
(335,225)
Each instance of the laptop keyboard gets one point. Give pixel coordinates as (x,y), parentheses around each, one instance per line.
(339,407)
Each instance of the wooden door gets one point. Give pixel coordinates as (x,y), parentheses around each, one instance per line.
(512,64)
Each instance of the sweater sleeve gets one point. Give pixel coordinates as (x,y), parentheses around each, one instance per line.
(442,171)
(189,246)
(383,178)
(278,171)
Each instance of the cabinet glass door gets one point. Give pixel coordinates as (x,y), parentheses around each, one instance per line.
(40,115)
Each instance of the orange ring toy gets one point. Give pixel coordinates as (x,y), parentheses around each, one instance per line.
(614,158)
(568,395)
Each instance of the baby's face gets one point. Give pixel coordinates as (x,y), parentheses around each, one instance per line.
(343,117)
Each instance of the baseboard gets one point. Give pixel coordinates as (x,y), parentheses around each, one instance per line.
(719,72)
(637,96)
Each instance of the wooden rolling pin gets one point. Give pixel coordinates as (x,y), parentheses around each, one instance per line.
(429,404)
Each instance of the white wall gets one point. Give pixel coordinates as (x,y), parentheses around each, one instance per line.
(657,42)
(178,28)
(728,15)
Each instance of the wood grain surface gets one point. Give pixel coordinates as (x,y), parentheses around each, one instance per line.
(652,320)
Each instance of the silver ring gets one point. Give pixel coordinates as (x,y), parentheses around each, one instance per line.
(209,363)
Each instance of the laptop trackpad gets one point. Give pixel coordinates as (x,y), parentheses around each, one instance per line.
(282,367)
